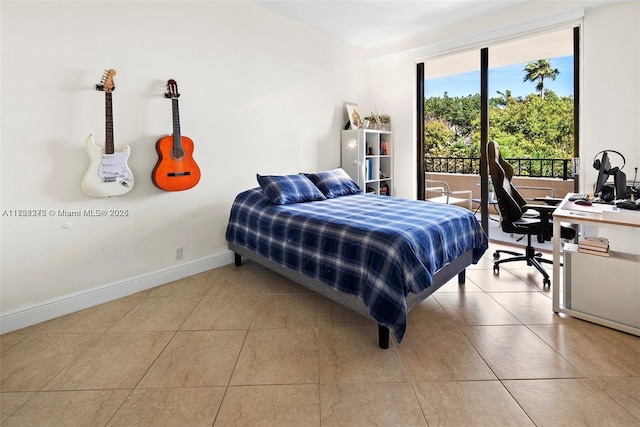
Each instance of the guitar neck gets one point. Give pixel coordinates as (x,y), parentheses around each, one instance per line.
(177,140)
(109,147)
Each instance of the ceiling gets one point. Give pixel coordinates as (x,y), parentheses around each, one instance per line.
(371,23)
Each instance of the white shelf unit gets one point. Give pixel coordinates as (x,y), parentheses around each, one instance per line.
(367,158)
(602,290)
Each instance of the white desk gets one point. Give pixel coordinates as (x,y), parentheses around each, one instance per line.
(594,215)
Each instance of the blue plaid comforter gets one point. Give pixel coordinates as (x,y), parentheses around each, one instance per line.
(378,248)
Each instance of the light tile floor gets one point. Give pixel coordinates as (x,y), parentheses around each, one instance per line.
(244,346)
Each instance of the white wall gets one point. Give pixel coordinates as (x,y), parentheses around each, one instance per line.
(259,93)
(610,116)
(611,87)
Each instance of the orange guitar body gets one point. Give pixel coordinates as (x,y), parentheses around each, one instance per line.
(176,169)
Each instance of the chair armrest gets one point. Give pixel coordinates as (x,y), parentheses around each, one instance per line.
(543,209)
(446,192)
(438,189)
(460,192)
(441,184)
(552,201)
(546,212)
(443,188)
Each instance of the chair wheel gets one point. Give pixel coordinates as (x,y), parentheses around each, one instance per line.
(496,256)
(546,282)
(496,268)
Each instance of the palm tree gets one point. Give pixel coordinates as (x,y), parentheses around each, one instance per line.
(504,99)
(539,70)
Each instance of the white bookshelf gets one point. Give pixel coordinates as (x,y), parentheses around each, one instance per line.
(367,158)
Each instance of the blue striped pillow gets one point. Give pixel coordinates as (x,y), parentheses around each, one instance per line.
(285,189)
(334,183)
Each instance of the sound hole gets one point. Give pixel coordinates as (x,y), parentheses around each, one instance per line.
(177,153)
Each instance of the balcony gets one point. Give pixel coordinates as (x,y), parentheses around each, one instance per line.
(548,175)
(525,167)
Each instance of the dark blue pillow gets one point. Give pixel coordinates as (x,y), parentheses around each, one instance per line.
(285,189)
(334,183)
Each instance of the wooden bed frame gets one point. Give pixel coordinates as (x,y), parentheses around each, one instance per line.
(442,276)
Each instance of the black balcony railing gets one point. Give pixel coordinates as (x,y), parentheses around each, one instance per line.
(538,168)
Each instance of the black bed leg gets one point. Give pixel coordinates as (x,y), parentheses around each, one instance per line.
(238,259)
(383,337)
(462,277)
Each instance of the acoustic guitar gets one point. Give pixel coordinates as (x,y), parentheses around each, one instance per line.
(108,174)
(176,170)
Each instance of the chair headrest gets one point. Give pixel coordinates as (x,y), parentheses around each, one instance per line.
(502,187)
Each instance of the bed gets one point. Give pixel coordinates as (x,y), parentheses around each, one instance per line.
(377,255)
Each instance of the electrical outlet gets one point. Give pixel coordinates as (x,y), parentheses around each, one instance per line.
(179,253)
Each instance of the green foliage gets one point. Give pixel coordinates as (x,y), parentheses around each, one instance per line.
(440,136)
(533,127)
(457,113)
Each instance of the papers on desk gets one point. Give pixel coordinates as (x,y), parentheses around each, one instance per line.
(596,208)
(601,211)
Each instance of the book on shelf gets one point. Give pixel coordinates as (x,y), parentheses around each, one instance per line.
(594,252)
(594,248)
(600,242)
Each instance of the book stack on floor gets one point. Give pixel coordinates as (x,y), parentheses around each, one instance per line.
(594,245)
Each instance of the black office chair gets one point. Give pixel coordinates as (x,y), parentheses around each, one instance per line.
(512,207)
(542,213)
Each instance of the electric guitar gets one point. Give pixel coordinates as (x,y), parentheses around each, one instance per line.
(176,170)
(108,174)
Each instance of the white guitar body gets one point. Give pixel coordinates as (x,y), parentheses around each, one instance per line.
(108,174)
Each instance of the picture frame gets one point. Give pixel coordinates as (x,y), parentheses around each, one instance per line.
(355,119)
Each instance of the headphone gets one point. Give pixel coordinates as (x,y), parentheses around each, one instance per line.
(596,161)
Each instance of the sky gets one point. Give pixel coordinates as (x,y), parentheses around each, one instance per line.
(501,79)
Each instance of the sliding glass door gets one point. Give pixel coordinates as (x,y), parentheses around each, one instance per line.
(531,87)
(521,93)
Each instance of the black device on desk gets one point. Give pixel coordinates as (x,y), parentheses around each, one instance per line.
(580,199)
(629,205)
(578,196)
(606,193)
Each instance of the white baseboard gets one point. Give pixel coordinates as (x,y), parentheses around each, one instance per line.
(47,310)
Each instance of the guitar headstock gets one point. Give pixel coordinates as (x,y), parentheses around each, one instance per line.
(106,83)
(172,90)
